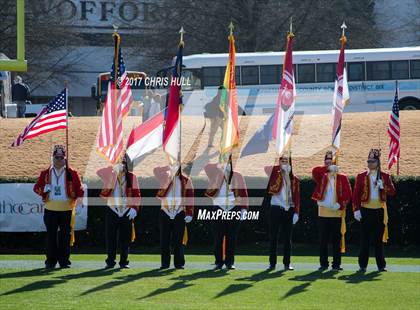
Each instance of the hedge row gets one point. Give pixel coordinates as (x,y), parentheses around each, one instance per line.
(404,214)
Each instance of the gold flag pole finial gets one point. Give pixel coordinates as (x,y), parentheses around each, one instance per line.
(231,26)
(181,33)
(343,38)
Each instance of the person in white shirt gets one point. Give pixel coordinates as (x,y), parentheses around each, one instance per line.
(61,191)
(332,193)
(284,194)
(176,195)
(227,189)
(122,194)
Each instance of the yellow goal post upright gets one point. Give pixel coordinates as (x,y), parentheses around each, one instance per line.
(20,63)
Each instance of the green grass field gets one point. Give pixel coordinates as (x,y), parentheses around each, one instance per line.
(142,288)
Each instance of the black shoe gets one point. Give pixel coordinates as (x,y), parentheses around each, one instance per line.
(271,267)
(109,266)
(218,267)
(126,266)
(163,267)
(231,267)
(323,268)
(336,268)
(288,267)
(361,269)
(49,266)
(64,266)
(382,269)
(179,267)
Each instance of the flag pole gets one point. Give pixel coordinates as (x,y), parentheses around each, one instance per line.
(180,45)
(398,155)
(67,120)
(116,51)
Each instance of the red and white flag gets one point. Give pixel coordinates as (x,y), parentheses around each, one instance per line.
(394,132)
(52,117)
(285,110)
(341,97)
(172,130)
(117,105)
(146,137)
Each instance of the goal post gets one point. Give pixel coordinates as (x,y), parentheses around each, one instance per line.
(20,63)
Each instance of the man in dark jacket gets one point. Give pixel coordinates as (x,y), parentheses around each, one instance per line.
(20,93)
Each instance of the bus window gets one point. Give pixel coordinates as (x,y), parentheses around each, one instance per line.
(415,69)
(378,70)
(356,71)
(325,72)
(237,75)
(194,79)
(306,73)
(250,75)
(270,74)
(399,69)
(213,76)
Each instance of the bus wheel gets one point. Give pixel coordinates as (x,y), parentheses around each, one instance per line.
(409,103)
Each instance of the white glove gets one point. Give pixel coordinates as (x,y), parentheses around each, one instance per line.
(188,218)
(380,184)
(336,206)
(357,215)
(47,188)
(243,214)
(333,168)
(118,168)
(295,218)
(132,213)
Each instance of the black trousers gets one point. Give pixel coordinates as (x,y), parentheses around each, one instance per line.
(117,232)
(172,231)
(372,229)
(58,237)
(228,229)
(329,230)
(280,217)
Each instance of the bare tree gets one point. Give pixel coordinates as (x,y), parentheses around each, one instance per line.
(48,41)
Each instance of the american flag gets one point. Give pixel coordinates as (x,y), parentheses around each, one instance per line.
(117,105)
(52,117)
(394,132)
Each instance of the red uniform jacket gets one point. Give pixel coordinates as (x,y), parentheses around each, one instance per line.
(343,188)
(361,192)
(73,184)
(187,189)
(109,178)
(275,185)
(238,185)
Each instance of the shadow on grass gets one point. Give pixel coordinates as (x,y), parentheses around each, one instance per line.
(128,278)
(36,286)
(233,288)
(308,278)
(90,274)
(359,277)
(174,287)
(183,281)
(263,275)
(256,277)
(27,273)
